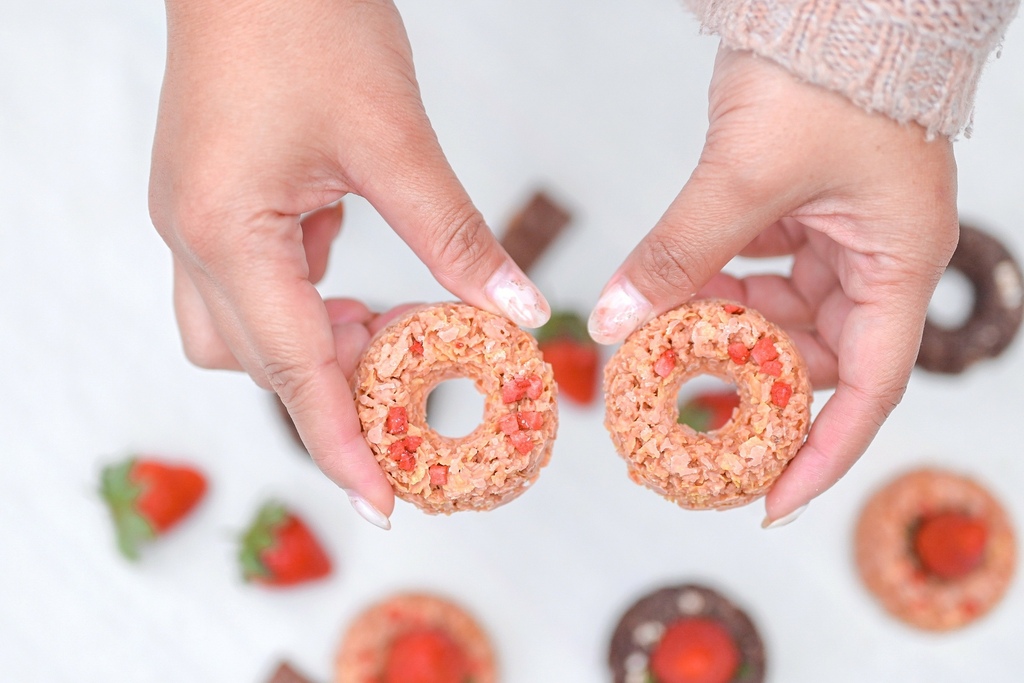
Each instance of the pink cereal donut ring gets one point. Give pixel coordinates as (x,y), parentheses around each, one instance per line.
(736,463)
(892,571)
(498,460)
(366,644)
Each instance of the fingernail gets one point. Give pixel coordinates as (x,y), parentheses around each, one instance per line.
(619,311)
(515,296)
(368,512)
(783,521)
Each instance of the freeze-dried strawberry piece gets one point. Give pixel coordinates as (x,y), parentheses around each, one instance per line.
(781,393)
(534,387)
(764,350)
(416,347)
(397,450)
(518,388)
(529,419)
(733,309)
(397,421)
(738,352)
(522,442)
(513,390)
(509,424)
(772,367)
(406,461)
(665,364)
(412,442)
(438,475)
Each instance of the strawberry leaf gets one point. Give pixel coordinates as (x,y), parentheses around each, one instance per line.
(565,325)
(696,416)
(119,492)
(261,535)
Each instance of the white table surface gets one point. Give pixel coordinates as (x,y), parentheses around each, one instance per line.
(601,101)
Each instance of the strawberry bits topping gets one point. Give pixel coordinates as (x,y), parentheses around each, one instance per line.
(736,461)
(398,420)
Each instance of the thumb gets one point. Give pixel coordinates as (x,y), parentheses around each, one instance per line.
(424,202)
(707,224)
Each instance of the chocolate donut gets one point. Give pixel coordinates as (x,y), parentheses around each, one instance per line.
(995,316)
(642,627)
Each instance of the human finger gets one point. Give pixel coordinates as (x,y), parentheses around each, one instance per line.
(877,346)
(319,228)
(704,227)
(775,297)
(424,202)
(783,237)
(276,324)
(201,340)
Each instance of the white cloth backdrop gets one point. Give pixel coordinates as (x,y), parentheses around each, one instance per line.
(601,101)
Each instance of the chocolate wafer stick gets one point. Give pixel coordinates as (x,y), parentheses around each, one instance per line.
(286,674)
(532,230)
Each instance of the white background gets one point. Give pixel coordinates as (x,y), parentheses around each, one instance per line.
(602,101)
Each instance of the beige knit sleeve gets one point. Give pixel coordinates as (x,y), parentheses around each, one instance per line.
(913,60)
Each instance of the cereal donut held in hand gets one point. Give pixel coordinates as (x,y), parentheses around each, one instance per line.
(499,459)
(736,463)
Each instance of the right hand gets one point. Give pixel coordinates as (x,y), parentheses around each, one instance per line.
(270,112)
(867,208)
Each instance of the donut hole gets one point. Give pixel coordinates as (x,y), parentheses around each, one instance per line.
(706,403)
(952,302)
(455,407)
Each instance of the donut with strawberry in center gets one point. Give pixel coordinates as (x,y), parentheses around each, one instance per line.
(936,549)
(686,634)
(415,638)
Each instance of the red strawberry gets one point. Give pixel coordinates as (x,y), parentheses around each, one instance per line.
(278,549)
(425,656)
(950,545)
(709,411)
(695,650)
(573,356)
(147,497)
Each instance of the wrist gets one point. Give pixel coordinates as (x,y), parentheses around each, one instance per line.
(918,67)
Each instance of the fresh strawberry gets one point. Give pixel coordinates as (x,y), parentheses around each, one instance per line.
(709,411)
(695,650)
(425,656)
(573,356)
(950,545)
(278,549)
(148,497)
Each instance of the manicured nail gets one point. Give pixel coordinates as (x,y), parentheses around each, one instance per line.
(516,297)
(783,521)
(368,512)
(619,311)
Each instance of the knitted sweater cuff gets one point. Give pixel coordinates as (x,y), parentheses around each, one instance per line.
(913,60)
